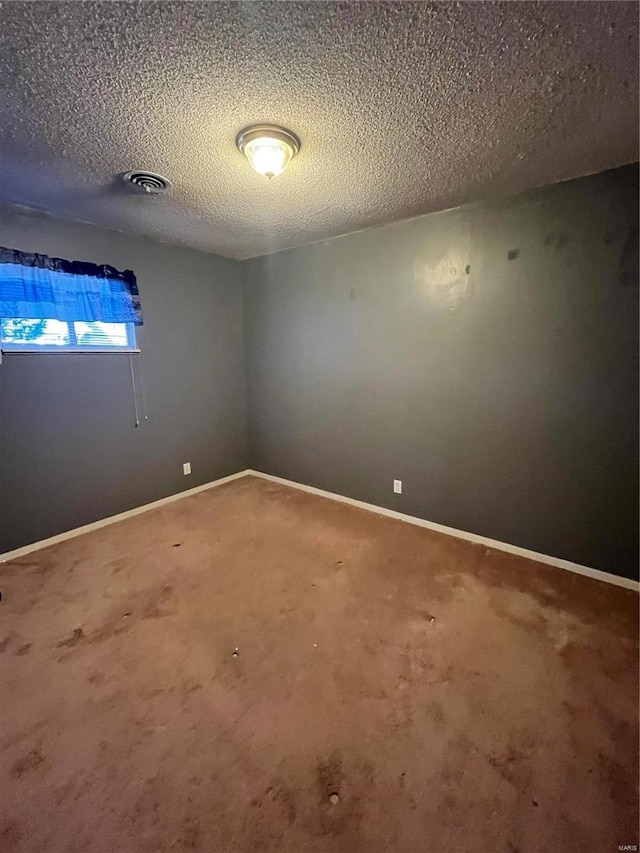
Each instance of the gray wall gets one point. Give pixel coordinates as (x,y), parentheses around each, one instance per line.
(69,450)
(486,356)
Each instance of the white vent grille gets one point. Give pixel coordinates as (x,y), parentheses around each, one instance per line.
(148,182)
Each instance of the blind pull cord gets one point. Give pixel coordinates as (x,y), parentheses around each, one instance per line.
(144,396)
(133,388)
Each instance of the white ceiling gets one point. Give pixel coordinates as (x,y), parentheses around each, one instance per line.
(402,108)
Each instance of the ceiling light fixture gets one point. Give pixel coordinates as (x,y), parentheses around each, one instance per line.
(269,149)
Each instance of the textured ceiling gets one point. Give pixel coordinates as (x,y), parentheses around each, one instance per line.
(402,108)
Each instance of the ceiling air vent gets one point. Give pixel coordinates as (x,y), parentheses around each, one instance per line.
(148,181)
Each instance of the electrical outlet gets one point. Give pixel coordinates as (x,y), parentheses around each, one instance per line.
(186,468)
(397,487)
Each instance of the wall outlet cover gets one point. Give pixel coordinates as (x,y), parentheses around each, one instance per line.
(186,468)
(397,487)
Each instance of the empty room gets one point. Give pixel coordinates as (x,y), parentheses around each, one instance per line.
(319,427)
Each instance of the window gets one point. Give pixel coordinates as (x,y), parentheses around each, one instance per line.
(38,335)
(52,305)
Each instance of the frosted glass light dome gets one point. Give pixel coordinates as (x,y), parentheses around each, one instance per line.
(269,149)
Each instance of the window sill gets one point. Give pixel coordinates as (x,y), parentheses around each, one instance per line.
(67,351)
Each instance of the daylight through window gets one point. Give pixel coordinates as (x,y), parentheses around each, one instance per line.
(39,335)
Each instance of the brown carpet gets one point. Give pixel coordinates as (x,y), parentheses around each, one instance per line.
(450,697)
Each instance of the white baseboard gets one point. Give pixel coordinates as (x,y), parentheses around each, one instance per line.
(558,563)
(112,519)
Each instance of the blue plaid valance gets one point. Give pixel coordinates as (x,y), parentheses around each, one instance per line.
(37,287)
